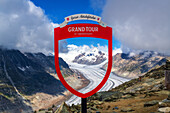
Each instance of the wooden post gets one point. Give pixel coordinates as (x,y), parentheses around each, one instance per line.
(167,75)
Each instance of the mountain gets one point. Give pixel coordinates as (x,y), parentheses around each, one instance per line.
(92,57)
(23,75)
(146,95)
(47,62)
(89,55)
(133,65)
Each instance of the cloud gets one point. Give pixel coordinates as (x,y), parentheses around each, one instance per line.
(74,50)
(24,26)
(97,5)
(85,48)
(140,25)
(116,50)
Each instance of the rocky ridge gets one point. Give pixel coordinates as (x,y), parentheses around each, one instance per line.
(135,65)
(23,76)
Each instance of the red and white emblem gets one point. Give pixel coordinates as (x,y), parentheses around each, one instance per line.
(85,30)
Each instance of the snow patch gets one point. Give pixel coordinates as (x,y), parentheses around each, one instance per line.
(131,54)
(21,68)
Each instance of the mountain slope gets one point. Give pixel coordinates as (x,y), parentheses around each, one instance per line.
(134,65)
(24,75)
(144,95)
(47,62)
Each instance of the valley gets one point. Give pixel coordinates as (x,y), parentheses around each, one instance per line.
(149,94)
(94,74)
(29,82)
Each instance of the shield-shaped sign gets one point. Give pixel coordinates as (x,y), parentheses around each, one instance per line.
(83,30)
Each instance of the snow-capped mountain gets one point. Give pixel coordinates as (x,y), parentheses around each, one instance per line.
(84,55)
(91,57)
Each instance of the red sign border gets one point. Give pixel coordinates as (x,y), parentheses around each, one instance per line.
(61,33)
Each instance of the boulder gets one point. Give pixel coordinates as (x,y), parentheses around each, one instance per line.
(132,91)
(166,101)
(164,92)
(157,87)
(94,109)
(110,99)
(163,104)
(164,110)
(151,103)
(98,102)
(127,109)
(150,80)
(110,96)
(127,96)
(145,84)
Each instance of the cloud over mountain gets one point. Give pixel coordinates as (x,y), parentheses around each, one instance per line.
(140,25)
(24,26)
(74,50)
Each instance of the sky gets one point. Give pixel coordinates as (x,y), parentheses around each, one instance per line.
(28,25)
(57,10)
(87,41)
(73,7)
(140,24)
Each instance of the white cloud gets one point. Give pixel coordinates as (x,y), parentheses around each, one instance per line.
(24,26)
(140,25)
(102,48)
(116,50)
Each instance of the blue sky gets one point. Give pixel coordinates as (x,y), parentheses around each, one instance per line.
(57,10)
(87,41)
